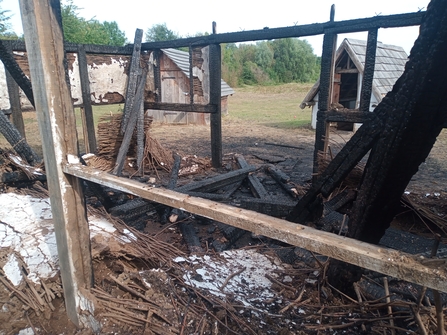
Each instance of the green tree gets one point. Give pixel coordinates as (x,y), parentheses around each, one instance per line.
(160,32)
(80,30)
(5,25)
(294,60)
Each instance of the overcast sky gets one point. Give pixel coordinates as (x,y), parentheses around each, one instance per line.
(188,18)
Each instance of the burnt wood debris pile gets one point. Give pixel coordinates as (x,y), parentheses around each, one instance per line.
(344,195)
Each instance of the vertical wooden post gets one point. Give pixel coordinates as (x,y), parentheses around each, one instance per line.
(88,124)
(14,101)
(44,42)
(326,84)
(368,73)
(134,73)
(157,75)
(215,99)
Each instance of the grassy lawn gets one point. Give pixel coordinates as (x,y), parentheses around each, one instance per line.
(275,106)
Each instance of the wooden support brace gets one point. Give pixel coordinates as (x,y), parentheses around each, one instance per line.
(387,261)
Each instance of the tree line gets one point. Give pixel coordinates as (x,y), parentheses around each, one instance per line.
(263,63)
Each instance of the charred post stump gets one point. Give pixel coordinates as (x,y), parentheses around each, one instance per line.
(405,128)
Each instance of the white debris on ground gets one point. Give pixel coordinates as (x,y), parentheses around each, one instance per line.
(27,233)
(239,273)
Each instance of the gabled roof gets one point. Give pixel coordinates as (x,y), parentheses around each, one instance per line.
(181,59)
(390,64)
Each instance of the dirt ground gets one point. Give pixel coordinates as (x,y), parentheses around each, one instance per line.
(140,290)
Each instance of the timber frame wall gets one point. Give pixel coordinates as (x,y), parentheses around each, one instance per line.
(64,172)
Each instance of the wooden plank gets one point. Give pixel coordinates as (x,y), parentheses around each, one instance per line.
(256,186)
(215,99)
(88,125)
(187,108)
(387,261)
(217,182)
(134,72)
(57,122)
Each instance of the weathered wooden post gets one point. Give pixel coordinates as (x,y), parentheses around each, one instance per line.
(45,47)
(88,125)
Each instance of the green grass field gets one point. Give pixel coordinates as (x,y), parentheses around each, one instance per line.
(275,106)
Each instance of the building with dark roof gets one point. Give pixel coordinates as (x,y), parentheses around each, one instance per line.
(175,86)
(349,67)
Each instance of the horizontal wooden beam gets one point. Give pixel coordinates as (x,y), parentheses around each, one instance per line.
(349,116)
(196,108)
(348,26)
(387,261)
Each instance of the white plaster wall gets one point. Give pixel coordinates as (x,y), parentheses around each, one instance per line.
(4,96)
(106,78)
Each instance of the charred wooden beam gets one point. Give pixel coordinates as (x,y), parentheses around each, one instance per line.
(368,72)
(19,176)
(131,123)
(272,207)
(353,116)
(215,100)
(256,186)
(16,72)
(326,83)
(283,180)
(217,182)
(191,108)
(191,238)
(134,74)
(13,136)
(174,172)
(380,259)
(340,27)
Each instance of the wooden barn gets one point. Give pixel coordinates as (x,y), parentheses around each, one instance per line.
(175,85)
(349,67)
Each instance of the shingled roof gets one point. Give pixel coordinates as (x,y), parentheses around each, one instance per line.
(181,59)
(390,64)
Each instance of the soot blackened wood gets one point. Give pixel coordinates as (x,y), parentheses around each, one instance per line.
(413,113)
(256,186)
(134,73)
(134,113)
(215,100)
(12,135)
(283,180)
(16,72)
(270,207)
(18,176)
(217,182)
(368,73)
(191,238)
(326,83)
